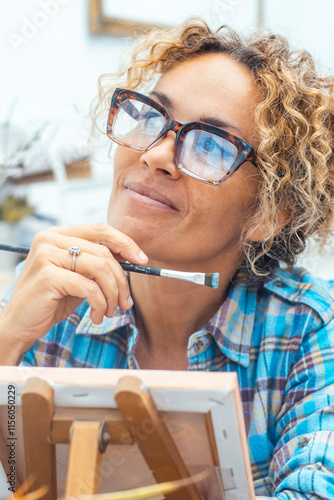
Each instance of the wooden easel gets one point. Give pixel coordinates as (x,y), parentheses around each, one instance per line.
(89,431)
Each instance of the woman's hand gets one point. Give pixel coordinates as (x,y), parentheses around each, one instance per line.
(47,291)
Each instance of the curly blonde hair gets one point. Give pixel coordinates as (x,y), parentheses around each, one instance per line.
(294,124)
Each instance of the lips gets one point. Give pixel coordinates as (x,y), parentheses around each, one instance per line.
(151,193)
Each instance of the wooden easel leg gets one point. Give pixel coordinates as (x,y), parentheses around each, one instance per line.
(152,436)
(40,454)
(85,459)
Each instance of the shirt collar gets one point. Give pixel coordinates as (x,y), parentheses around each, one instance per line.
(231,326)
(108,325)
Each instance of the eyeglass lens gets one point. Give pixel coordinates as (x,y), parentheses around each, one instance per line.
(202,153)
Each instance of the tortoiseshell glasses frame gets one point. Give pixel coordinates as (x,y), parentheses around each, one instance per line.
(228,163)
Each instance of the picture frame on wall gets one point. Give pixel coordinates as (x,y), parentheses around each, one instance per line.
(101,23)
(131,17)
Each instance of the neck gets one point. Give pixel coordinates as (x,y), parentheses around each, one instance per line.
(168,311)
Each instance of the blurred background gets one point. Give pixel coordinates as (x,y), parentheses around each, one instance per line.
(52,53)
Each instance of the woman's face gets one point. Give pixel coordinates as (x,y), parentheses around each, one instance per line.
(176,219)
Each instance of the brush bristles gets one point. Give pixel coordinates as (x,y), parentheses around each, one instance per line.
(212,280)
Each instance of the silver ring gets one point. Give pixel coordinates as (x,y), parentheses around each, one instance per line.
(74,251)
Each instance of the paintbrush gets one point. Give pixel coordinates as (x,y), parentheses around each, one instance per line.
(207,279)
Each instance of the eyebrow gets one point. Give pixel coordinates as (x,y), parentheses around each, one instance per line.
(164,100)
(216,122)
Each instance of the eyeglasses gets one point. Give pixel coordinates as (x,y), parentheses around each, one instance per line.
(202,151)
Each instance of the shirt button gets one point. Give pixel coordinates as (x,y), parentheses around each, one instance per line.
(302,442)
(199,346)
(279,284)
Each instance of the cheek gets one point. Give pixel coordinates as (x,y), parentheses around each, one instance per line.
(235,199)
(123,161)
(123,158)
(223,212)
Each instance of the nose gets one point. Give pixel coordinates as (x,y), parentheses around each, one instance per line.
(161,157)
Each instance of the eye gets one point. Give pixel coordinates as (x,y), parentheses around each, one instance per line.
(150,118)
(209,144)
(217,153)
(208,147)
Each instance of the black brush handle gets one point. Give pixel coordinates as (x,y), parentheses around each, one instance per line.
(12,248)
(125,265)
(154,271)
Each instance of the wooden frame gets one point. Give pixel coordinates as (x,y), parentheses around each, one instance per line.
(100,24)
(201,410)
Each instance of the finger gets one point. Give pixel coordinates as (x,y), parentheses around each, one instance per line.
(76,285)
(104,234)
(120,281)
(95,262)
(107,273)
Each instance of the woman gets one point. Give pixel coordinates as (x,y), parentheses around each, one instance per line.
(237,192)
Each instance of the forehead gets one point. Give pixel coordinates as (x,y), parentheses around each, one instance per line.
(211,85)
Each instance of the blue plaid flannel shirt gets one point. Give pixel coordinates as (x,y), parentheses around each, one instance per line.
(278,337)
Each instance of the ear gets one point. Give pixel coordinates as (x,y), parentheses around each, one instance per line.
(261,233)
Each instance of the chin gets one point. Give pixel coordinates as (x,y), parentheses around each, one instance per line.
(136,229)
